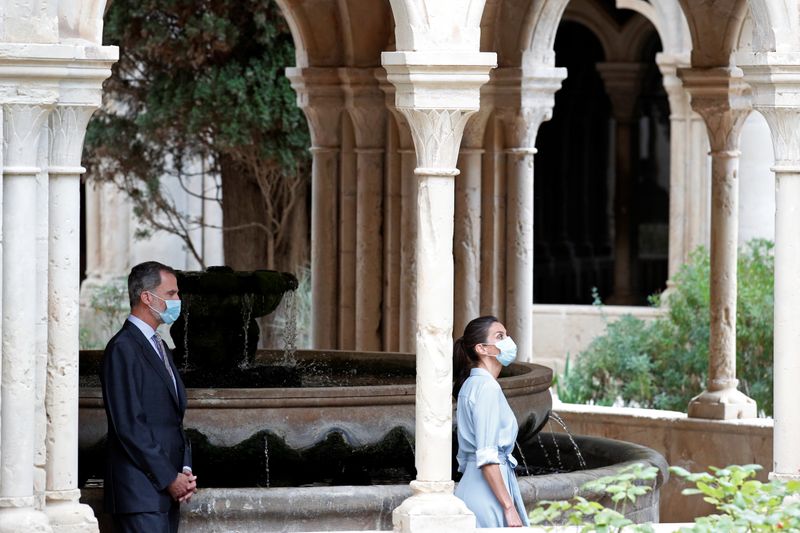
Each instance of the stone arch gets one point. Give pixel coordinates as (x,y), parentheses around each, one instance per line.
(539,31)
(590,15)
(429,24)
(776,25)
(714,48)
(620,43)
(669,21)
(81,20)
(336,34)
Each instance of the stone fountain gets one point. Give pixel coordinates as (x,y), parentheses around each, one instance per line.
(317,440)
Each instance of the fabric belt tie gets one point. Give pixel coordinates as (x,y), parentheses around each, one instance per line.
(501,457)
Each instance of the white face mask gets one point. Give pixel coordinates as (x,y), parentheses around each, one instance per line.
(508,351)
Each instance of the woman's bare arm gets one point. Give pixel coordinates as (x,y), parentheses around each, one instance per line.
(491,472)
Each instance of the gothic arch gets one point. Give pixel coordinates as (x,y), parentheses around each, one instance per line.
(776,25)
(336,33)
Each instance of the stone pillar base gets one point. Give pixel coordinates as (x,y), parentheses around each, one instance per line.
(433,513)
(726,404)
(27,519)
(68,515)
(785,477)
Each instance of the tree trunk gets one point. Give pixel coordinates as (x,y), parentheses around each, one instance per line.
(242,203)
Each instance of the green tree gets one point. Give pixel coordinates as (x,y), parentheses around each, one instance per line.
(202,80)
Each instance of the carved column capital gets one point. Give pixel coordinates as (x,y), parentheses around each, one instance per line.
(406,142)
(678,98)
(321,97)
(67,130)
(437,95)
(622,81)
(365,104)
(776,94)
(723,99)
(437,137)
(525,99)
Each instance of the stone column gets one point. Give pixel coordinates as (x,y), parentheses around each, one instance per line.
(22,127)
(721,97)
(622,82)
(364,102)
(320,96)
(776,90)
(408,241)
(524,102)
(40,418)
(437,98)
(467,229)
(401,276)
(67,129)
(680,110)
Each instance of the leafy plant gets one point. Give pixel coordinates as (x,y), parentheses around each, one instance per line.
(745,504)
(110,306)
(622,488)
(663,363)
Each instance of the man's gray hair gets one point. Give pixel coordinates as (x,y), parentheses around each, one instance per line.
(145,277)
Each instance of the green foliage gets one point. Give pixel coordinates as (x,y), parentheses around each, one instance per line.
(745,504)
(110,306)
(198,81)
(198,77)
(663,363)
(621,488)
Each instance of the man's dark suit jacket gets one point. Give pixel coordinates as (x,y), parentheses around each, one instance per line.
(146,447)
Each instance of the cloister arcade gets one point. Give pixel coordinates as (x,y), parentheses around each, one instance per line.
(424,116)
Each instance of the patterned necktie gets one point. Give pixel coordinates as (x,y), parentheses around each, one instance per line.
(163,356)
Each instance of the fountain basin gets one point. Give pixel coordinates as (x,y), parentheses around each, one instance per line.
(370,507)
(362,396)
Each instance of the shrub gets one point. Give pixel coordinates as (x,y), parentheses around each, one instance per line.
(663,363)
(743,503)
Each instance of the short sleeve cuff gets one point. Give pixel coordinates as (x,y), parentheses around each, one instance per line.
(486,456)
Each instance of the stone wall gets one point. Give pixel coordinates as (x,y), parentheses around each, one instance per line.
(561,331)
(691,443)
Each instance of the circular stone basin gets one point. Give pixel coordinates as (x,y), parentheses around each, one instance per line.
(351,401)
(355,508)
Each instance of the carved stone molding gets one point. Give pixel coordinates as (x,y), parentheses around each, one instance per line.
(622,82)
(437,137)
(67,130)
(364,101)
(776,94)
(22,130)
(723,99)
(475,128)
(524,100)
(321,97)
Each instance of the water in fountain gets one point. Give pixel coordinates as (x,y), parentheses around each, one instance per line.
(290,330)
(522,456)
(544,450)
(558,450)
(247,311)
(266,460)
(554,416)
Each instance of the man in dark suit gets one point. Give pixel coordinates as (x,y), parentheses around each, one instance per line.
(149,466)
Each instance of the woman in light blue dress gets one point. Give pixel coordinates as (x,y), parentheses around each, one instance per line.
(487,428)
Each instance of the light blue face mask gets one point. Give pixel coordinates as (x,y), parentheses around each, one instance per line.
(508,351)
(171,313)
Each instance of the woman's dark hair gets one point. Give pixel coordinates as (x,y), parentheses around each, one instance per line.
(464,356)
